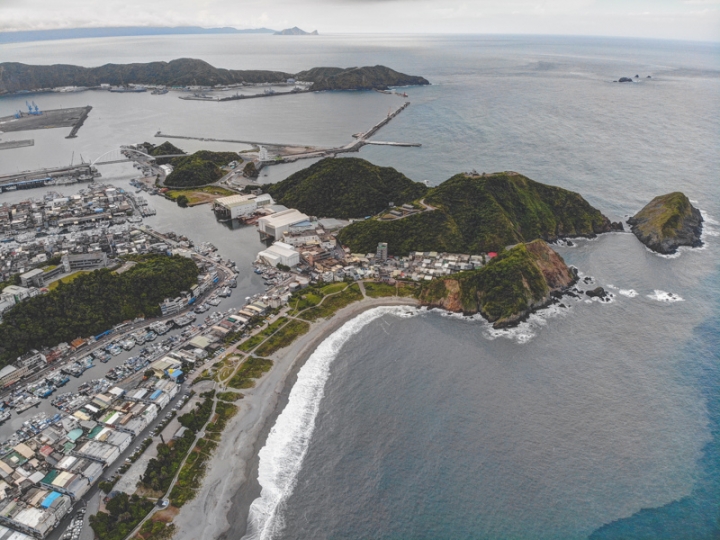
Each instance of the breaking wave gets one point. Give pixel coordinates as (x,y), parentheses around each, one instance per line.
(282,456)
(662,296)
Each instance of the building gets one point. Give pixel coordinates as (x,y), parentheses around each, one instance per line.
(31,360)
(170,306)
(382,251)
(84,261)
(240,206)
(275,225)
(33,278)
(280,253)
(10,375)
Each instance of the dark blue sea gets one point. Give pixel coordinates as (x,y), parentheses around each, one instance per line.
(589,420)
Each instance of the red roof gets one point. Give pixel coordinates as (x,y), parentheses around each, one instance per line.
(492,254)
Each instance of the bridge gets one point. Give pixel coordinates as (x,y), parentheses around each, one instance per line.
(117,155)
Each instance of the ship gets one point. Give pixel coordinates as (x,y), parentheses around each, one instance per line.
(122,89)
(4,415)
(159,91)
(28,404)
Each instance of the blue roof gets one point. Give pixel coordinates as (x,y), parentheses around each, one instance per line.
(155,394)
(176,373)
(49,499)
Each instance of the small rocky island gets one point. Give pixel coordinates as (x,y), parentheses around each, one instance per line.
(507,289)
(295,31)
(668,222)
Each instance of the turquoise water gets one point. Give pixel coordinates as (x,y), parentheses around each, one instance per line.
(590,420)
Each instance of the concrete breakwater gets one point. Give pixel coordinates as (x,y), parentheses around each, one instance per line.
(288,153)
(9,145)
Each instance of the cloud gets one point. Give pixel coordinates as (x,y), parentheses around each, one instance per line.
(680,19)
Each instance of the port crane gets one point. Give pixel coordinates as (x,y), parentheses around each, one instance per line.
(33,109)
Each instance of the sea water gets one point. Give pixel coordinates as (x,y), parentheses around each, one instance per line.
(588,420)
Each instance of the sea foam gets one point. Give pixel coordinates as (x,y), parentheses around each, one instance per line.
(662,296)
(282,456)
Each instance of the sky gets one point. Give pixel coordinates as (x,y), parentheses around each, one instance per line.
(669,19)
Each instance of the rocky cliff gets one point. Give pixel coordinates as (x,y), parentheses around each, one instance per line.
(507,289)
(668,222)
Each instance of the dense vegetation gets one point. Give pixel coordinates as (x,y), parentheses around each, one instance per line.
(345,188)
(161,469)
(477,214)
(164,149)
(123,514)
(283,337)
(198,169)
(190,71)
(357,78)
(506,288)
(93,303)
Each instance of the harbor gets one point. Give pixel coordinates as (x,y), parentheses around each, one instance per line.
(35,118)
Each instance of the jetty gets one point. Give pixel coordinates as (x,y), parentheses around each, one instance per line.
(9,145)
(272,153)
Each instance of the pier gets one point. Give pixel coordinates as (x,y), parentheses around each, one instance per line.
(79,123)
(9,145)
(43,177)
(288,153)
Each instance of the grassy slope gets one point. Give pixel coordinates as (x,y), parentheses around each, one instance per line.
(664,214)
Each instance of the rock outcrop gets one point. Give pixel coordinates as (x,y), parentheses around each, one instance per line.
(668,222)
(507,289)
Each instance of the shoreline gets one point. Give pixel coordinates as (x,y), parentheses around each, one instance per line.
(231,485)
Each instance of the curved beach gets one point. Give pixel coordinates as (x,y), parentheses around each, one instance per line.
(230,485)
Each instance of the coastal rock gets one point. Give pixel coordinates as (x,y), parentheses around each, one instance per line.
(598,292)
(625,79)
(668,222)
(506,290)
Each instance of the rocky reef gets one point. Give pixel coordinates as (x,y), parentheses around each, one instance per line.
(668,222)
(507,289)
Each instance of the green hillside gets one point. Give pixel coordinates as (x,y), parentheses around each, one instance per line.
(345,188)
(198,169)
(92,303)
(509,287)
(485,213)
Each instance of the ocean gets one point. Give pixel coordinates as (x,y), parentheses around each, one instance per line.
(589,420)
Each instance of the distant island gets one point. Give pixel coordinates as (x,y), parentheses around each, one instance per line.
(16,77)
(295,31)
(120,31)
(668,222)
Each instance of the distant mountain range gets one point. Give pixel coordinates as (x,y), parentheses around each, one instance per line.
(77,33)
(295,31)
(15,77)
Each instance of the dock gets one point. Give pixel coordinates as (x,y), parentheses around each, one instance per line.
(79,123)
(9,145)
(44,177)
(54,118)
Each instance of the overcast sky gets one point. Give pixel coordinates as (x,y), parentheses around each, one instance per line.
(674,19)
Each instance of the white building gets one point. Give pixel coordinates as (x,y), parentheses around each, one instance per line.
(276,224)
(239,206)
(280,253)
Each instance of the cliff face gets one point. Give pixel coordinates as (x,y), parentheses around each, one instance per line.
(507,289)
(15,76)
(668,222)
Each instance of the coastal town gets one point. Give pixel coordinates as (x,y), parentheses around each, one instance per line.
(51,463)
